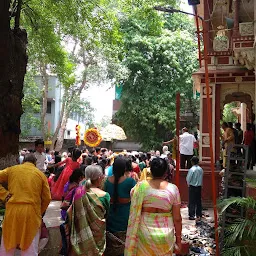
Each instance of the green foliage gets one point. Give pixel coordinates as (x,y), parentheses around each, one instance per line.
(76,40)
(179,21)
(151,53)
(240,236)
(228,115)
(82,111)
(31,105)
(160,63)
(45,40)
(105,121)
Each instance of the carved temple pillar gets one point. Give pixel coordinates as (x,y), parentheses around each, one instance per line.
(217,121)
(205,139)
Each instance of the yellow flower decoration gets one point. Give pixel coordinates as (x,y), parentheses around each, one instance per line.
(92,137)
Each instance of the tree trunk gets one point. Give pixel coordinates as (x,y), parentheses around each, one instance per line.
(58,137)
(62,130)
(56,132)
(13,62)
(45,83)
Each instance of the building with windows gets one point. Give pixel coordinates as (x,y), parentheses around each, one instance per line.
(54,101)
(53,105)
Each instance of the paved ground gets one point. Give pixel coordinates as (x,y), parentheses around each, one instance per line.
(52,220)
(52,216)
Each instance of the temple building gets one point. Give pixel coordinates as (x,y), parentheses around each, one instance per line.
(231,29)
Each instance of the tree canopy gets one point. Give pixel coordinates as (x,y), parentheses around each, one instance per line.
(160,55)
(150,53)
(228,114)
(76,41)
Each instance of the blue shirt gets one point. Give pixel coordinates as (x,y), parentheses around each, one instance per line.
(109,171)
(195,176)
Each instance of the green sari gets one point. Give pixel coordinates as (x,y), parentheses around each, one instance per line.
(87,224)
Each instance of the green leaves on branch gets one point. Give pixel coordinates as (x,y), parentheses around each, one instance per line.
(75,40)
(239,237)
(31,105)
(160,64)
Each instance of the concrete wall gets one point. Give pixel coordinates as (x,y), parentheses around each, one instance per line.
(54,96)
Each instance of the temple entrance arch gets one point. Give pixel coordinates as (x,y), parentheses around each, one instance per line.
(244,93)
(233,92)
(246,106)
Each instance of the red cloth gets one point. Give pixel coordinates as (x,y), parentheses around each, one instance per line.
(196,145)
(248,137)
(136,168)
(58,186)
(50,180)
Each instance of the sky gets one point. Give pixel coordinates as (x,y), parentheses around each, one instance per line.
(101,98)
(185,7)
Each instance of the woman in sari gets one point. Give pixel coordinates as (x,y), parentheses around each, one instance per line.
(87,215)
(155,221)
(70,165)
(119,187)
(69,191)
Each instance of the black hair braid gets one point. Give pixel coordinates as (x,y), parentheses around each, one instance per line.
(119,167)
(115,196)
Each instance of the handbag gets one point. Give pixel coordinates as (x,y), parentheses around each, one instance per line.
(44,231)
(115,243)
(64,205)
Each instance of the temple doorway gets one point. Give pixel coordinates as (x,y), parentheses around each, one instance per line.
(238,107)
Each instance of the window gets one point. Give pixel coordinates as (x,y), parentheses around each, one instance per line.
(49,107)
(68,132)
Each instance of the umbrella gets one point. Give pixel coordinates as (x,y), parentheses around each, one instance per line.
(113,132)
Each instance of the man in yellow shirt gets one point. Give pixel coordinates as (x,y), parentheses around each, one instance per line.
(27,198)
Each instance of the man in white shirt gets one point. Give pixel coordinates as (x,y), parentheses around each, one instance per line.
(186,148)
(41,160)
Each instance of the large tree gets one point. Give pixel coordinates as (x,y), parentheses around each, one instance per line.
(161,55)
(13,62)
(76,44)
(48,24)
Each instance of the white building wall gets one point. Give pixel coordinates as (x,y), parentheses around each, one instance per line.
(55,95)
(70,132)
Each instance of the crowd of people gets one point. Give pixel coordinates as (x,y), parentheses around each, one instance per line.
(111,203)
(233,134)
